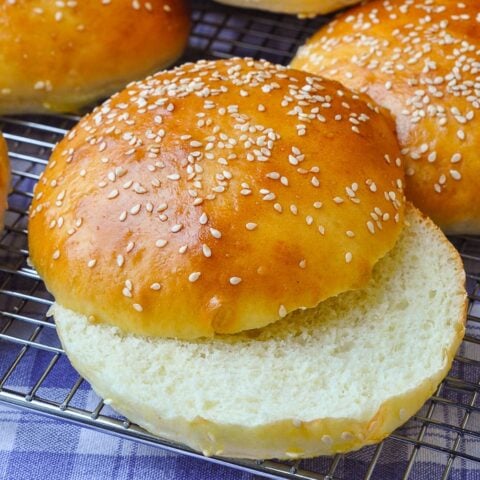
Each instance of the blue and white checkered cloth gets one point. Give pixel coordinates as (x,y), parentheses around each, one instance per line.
(35,447)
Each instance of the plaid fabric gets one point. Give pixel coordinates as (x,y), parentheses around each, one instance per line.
(33,446)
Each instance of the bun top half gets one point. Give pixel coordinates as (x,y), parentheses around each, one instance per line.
(59,56)
(420,60)
(216,198)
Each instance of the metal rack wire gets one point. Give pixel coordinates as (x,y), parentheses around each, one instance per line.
(447,427)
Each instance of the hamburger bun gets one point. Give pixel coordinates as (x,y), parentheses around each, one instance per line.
(216,198)
(59,56)
(4,178)
(301,7)
(321,381)
(420,60)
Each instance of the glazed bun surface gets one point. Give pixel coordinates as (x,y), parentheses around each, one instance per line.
(59,56)
(307,7)
(4,178)
(217,197)
(420,60)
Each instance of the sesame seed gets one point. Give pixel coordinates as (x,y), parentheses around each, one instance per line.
(135,209)
(137,307)
(176,228)
(161,243)
(456,158)
(120,260)
(155,286)
(215,233)
(348,257)
(282,311)
(206,250)
(203,219)
(273,175)
(315,181)
(235,280)
(56,254)
(278,207)
(193,277)
(251,226)
(269,197)
(327,440)
(113,194)
(455,174)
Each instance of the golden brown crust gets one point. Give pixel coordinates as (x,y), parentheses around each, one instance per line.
(4,178)
(420,60)
(213,210)
(302,7)
(59,58)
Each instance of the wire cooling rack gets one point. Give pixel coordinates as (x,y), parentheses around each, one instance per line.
(446,430)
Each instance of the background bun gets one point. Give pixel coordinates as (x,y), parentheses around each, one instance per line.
(60,56)
(217,197)
(421,61)
(330,379)
(4,178)
(308,7)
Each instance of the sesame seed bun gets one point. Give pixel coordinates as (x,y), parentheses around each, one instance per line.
(59,56)
(305,7)
(322,381)
(421,61)
(4,178)
(216,198)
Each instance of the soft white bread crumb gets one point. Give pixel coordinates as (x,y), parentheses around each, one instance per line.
(325,380)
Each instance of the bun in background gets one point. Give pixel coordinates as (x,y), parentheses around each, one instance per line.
(421,61)
(60,56)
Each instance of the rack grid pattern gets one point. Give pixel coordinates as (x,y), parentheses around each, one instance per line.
(447,427)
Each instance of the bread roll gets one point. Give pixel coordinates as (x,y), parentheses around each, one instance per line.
(216,198)
(4,178)
(59,56)
(302,7)
(421,61)
(322,381)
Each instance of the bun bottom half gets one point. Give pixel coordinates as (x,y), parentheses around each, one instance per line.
(321,381)
(304,7)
